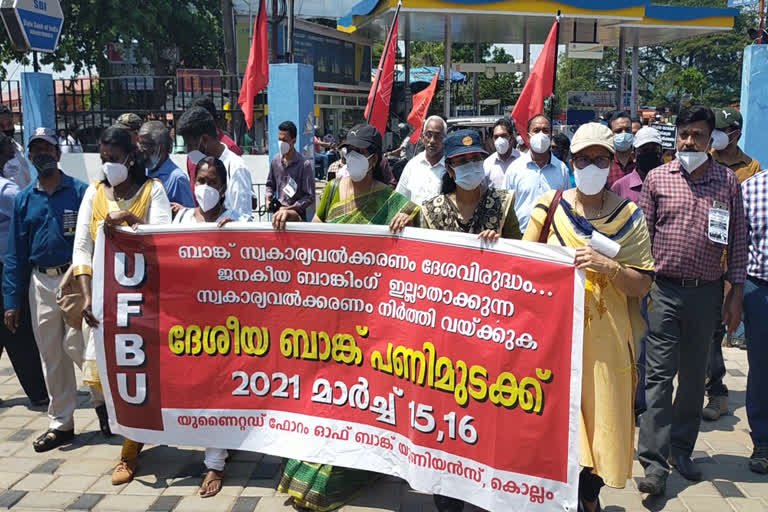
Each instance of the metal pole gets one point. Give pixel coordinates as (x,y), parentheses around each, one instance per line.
(378,71)
(553,102)
(620,72)
(407,83)
(635,67)
(35,63)
(447,70)
(475,82)
(289,41)
(762,20)
(275,28)
(526,51)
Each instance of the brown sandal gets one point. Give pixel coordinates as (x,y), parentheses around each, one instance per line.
(211,477)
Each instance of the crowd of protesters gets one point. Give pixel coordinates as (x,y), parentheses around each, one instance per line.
(675,255)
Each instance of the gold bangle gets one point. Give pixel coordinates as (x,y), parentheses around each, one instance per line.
(615,272)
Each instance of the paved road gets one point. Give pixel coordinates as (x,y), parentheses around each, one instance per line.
(77,477)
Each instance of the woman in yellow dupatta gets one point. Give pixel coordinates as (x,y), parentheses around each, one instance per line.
(360,198)
(612,316)
(125,197)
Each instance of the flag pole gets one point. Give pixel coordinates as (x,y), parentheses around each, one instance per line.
(554,72)
(378,71)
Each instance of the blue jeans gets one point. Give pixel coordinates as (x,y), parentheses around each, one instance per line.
(756,325)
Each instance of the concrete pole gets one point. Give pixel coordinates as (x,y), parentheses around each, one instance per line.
(620,72)
(635,66)
(526,52)
(407,65)
(475,84)
(447,70)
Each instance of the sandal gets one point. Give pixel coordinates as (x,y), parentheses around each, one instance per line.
(211,477)
(53,438)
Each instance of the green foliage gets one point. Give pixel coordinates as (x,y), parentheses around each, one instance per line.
(193,27)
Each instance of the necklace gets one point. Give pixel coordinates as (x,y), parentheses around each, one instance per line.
(584,209)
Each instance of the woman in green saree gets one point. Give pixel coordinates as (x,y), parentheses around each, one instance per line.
(363,197)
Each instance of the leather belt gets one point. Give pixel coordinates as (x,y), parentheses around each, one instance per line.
(687,283)
(54,271)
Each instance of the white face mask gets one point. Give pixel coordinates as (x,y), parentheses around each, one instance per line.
(591,180)
(502,145)
(469,175)
(196,155)
(116,173)
(692,160)
(284,147)
(207,197)
(719,140)
(540,142)
(357,165)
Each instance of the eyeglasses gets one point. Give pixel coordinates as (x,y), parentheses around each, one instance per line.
(583,162)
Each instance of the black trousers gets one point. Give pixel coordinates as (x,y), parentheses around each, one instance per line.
(22,350)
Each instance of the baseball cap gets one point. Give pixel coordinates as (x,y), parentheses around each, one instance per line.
(129,121)
(728,117)
(363,136)
(592,134)
(647,135)
(46,134)
(461,142)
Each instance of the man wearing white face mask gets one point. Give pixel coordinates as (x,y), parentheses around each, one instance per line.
(496,165)
(624,162)
(200,133)
(291,178)
(694,210)
(535,172)
(423,175)
(155,142)
(725,144)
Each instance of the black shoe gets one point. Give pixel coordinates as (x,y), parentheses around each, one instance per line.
(652,484)
(101,412)
(686,467)
(43,402)
(53,438)
(758,462)
(446,504)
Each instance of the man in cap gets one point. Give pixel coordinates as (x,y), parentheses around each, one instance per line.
(17,168)
(200,133)
(726,151)
(131,122)
(21,348)
(39,253)
(647,144)
(291,179)
(423,175)
(155,142)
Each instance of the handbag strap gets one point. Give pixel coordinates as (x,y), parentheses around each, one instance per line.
(544,235)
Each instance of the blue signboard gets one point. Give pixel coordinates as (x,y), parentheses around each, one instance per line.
(33,24)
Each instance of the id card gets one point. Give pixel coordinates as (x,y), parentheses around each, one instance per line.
(290,187)
(719,220)
(69,222)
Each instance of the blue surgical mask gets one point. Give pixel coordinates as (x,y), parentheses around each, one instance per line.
(623,141)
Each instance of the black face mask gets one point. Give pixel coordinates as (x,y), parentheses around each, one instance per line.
(9,133)
(648,161)
(45,164)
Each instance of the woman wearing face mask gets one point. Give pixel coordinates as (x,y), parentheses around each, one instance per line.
(467,203)
(126,196)
(361,198)
(612,244)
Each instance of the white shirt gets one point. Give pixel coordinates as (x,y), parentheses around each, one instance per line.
(239,187)
(529,182)
(420,179)
(17,168)
(495,168)
(187,216)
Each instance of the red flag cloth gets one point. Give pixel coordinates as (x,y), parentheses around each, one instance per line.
(421,102)
(257,71)
(538,86)
(381,91)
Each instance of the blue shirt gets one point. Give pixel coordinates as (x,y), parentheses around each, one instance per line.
(176,183)
(42,234)
(529,182)
(8,191)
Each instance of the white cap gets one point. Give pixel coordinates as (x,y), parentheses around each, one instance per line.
(646,135)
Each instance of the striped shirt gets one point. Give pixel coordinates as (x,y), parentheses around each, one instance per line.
(677,210)
(755,192)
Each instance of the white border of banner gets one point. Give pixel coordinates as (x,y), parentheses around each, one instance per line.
(294,445)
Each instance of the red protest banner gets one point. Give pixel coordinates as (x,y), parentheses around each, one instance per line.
(423,356)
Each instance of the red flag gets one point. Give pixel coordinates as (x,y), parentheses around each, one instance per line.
(421,102)
(257,71)
(538,86)
(377,110)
